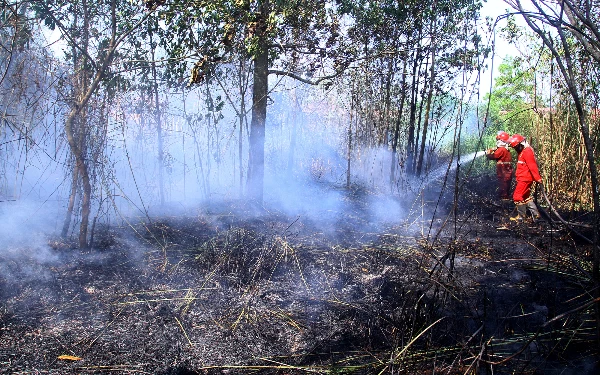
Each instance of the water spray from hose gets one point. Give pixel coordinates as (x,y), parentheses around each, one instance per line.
(440,171)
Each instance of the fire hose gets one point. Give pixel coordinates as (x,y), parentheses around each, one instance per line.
(567,224)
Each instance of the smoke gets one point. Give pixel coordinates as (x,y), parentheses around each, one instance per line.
(26,226)
(24,232)
(313,169)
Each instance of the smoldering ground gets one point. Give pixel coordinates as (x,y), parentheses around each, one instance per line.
(226,289)
(205,296)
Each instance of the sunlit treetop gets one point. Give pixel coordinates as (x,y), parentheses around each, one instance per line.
(207,33)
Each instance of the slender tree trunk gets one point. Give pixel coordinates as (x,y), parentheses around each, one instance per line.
(76,148)
(76,92)
(241,150)
(411,143)
(71,205)
(388,100)
(77,140)
(242,87)
(83,171)
(419,114)
(383,131)
(349,155)
(349,150)
(256,167)
(86,204)
(429,99)
(159,135)
(397,126)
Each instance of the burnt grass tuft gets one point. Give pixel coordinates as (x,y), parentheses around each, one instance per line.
(229,291)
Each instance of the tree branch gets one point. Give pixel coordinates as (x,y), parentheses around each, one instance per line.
(67,35)
(578,24)
(590,42)
(305,80)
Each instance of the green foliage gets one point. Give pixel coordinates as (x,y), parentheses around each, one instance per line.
(15,26)
(42,12)
(87,32)
(513,99)
(512,32)
(198,38)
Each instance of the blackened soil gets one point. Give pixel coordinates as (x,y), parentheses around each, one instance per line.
(230,292)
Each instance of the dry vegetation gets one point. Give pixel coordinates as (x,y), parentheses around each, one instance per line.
(229,292)
(233,289)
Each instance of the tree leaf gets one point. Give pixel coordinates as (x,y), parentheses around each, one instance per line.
(66,357)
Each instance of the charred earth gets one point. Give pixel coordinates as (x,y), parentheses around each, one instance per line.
(232,290)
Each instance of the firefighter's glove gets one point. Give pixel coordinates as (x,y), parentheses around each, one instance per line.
(490,151)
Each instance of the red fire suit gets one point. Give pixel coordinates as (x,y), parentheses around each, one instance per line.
(527,172)
(504,169)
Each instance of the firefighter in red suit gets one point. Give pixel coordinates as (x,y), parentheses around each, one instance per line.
(503,159)
(527,172)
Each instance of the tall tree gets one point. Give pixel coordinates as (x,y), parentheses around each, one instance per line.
(290,38)
(97,51)
(431,81)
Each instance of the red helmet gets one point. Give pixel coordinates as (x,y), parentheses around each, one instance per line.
(502,136)
(515,139)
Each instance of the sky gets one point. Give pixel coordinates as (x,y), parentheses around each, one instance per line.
(502,49)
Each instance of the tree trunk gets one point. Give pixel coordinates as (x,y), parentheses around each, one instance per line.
(242,87)
(397,127)
(428,105)
(71,205)
(349,150)
(388,101)
(410,147)
(83,171)
(78,149)
(159,136)
(86,204)
(349,154)
(256,167)
(77,140)
(241,150)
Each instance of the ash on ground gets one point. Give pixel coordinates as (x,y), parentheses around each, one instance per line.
(225,292)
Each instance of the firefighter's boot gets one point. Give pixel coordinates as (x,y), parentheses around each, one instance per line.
(521,213)
(534,211)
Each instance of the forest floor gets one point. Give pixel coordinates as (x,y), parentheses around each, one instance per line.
(226,290)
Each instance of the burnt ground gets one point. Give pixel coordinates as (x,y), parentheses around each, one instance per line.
(229,291)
